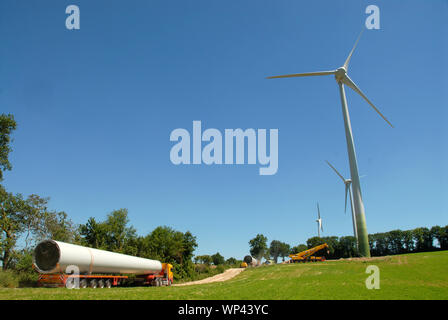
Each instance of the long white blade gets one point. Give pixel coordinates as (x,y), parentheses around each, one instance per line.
(352,85)
(308,74)
(347,186)
(353,50)
(336,171)
(318,211)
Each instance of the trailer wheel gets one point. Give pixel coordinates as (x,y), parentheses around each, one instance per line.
(101,283)
(83,283)
(108,283)
(93,284)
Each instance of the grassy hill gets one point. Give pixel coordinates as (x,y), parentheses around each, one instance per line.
(410,276)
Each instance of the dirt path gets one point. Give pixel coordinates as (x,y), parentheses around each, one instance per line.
(226,275)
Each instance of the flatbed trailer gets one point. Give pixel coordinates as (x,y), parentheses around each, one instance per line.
(164,278)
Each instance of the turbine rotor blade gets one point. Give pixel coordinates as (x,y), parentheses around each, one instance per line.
(308,74)
(318,211)
(347,186)
(353,50)
(349,82)
(336,171)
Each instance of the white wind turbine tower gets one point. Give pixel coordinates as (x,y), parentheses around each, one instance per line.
(319,222)
(348,190)
(343,79)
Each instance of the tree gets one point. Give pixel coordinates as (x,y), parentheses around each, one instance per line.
(258,246)
(171,246)
(93,234)
(441,234)
(408,241)
(348,247)
(284,250)
(7,125)
(299,248)
(113,234)
(423,239)
(205,259)
(12,212)
(231,261)
(314,241)
(41,223)
(395,241)
(218,259)
(275,249)
(332,242)
(34,219)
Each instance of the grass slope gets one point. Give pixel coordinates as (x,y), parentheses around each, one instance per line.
(411,276)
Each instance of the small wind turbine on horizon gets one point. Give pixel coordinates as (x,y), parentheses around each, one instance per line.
(319,222)
(342,79)
(348,191)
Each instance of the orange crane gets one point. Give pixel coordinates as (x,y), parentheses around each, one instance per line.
(307,255)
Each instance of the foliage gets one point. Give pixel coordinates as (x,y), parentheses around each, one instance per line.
(7,125)
(299,248)
(30,220)
(8,279)
(278,249)
(204,259)
(12,212)
(113,234)
(258,246)
(231,261)
(218,259)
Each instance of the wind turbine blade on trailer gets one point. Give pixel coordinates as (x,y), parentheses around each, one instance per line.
(346,63)
(308,74)
(349,82)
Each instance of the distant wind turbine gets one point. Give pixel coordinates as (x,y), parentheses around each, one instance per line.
(343,79)
(348,191)
(319,222)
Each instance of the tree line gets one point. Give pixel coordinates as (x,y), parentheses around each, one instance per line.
(381,244)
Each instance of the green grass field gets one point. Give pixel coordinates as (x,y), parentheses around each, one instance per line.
(411,276)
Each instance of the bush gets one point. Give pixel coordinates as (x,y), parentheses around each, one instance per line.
(27,279)
(220,269)
(8,279)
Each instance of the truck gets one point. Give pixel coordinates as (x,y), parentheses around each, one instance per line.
(57,262)
(307,255)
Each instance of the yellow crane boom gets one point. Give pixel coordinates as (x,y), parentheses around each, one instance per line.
(307,254)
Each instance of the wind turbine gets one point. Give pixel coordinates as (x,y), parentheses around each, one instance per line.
(342,79)
(348,190)
(319,222)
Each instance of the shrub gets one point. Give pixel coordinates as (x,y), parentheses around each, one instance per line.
(27,279)
(8,279)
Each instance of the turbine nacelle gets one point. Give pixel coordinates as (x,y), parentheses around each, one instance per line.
(340,73)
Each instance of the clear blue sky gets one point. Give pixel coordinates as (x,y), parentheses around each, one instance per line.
(95,108)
